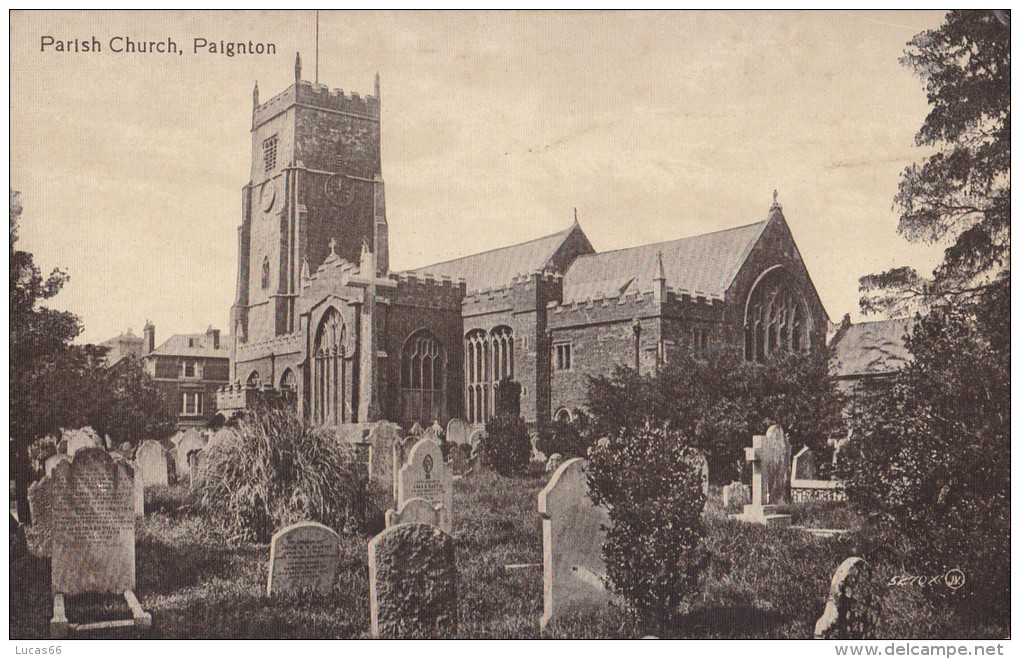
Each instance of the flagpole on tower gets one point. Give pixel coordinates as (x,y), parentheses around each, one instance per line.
(316,46)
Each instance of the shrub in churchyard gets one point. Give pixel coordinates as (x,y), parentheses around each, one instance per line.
(570,439)
(274,470)
(507,445)
(650,482)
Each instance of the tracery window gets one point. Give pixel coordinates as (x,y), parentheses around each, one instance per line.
(476,351)
(423,378)
(329,371)
(776,318)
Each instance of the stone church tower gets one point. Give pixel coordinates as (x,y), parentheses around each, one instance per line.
(315,189)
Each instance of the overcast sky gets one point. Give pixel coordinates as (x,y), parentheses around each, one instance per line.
(494,127)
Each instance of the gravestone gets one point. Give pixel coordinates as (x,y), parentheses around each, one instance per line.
(152,466)
(93,525)
(852,610)
(195,459)
(458,432)
(804,466)
(699,461)
(554,462)
(303,556)
(458,459)
(572,537)
(476,437)
(138,488)
(426,475)
(412,575)
(433,432)
(416,430)
(191,441)
(53,461)
(736,495)
(537,456)
(40,507)
(417,511)
(82,438)
(769,456)
(401,448)
(381,439)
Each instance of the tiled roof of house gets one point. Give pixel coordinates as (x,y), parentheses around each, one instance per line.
(872,348)
(193,345)
(498,267)
(700,265)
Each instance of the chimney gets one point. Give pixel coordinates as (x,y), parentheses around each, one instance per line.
(150,337)
(215,335)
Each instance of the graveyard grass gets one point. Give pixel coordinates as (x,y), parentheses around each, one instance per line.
(197,583)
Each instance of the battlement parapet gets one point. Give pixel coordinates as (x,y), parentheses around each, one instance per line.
(279,345)
(317,96)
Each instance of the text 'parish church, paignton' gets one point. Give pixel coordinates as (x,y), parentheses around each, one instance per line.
(321,320)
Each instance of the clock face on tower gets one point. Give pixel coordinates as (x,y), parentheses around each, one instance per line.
(268,196)
(339,190)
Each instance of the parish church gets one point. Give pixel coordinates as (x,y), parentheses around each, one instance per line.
(321,320)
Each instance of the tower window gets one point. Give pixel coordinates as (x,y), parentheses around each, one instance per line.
(265,272)
(269,152)
(564,358)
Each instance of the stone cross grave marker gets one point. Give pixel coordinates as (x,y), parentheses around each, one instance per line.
(852,610)
(426,475)
(458,432)
(412,573)
(381,439)
(152,465)
(572,538)
(417,511)
(303,556)
(40,507)
(805,467)
(93,502)
(769,456)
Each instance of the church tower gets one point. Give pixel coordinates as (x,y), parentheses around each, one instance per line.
(315,190)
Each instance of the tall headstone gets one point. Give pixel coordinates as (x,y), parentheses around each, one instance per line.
(93,525)
(303,556)
(381,438)
(736,495)
(82,438)
(805,467)
(417,511)
(40,507)
(852,610)
(412,574)
(769,456)
(152,466)
(401,449)
(458,432)
(426,475)
(572,537)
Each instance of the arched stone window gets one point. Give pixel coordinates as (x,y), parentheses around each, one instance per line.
(254,380)
(476,352)
(265,272)
(502,340)
(288,386)
(423,379)
(329,372)
(775,318)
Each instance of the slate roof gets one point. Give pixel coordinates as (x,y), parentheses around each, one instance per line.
(202,346)
(872,348)
(700,265)
(498,267)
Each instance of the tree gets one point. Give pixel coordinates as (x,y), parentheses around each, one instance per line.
(720,402)
(36,334)
(959,195)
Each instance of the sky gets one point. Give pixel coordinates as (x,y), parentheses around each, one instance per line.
(495,127)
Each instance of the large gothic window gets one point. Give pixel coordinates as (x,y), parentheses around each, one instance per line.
(776,318)
(423,379)
(329,371)
(489,357)
(476,351)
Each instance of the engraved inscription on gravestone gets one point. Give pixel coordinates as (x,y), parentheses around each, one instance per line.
(427,476)
(93,525)
(303,556)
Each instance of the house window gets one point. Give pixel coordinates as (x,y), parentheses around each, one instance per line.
(564,358)
(191,402)
(700,340)
(269,152)
(189,369)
